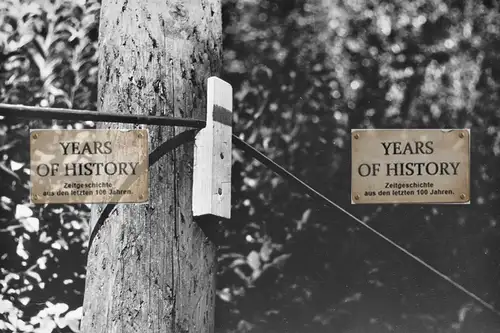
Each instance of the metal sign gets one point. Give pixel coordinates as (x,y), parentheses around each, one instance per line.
(410,166)
(89,166)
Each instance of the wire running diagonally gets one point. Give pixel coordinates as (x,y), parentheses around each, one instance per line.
(278,169)
(68,114)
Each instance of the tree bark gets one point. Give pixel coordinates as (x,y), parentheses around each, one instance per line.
(150,267)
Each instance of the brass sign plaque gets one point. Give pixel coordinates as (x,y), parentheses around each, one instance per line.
(89,166)
(410,166)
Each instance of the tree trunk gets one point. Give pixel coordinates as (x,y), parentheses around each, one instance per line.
(150,267)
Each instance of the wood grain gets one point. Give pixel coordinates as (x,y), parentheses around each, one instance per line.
(151,268)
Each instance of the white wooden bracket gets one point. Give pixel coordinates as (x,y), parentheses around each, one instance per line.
(212,154)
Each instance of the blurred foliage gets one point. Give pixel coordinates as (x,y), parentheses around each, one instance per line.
(48,58)
(304,72)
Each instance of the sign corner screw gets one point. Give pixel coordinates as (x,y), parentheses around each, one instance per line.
(462,196)
(356,197)
(35,197)
(35,136)
(356,136)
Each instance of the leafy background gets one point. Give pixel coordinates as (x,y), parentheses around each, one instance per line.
(304,72)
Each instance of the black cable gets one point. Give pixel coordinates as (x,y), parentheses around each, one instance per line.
(22,111)
(278,169)
(154,156)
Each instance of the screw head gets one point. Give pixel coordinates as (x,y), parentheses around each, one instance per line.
(356,136)
(141,196)
(461,135)
(35,197)
(356,197)
(462,196)
(35,136)
(140,135)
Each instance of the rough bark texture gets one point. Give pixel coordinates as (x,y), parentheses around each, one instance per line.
(150,267)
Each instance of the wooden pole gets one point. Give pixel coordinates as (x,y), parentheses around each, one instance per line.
(150,267)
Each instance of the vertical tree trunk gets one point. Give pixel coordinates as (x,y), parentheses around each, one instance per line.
(150,267)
